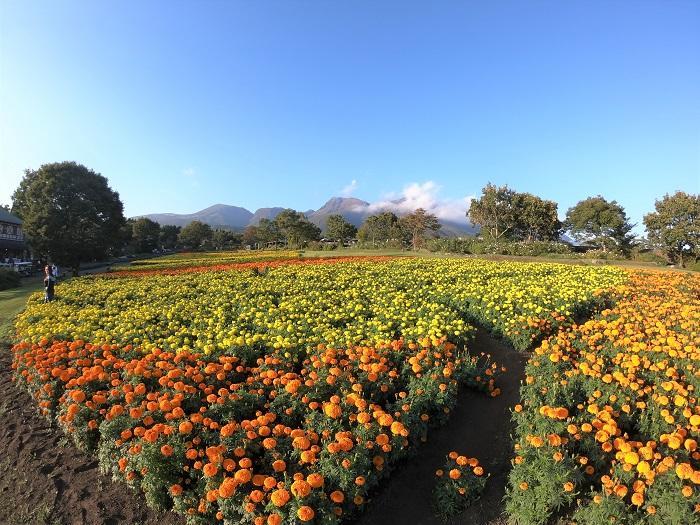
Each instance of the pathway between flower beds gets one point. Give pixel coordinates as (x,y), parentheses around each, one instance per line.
(479,427)
(44,479)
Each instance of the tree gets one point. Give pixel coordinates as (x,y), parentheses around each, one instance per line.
(675,225)
(599,222)
(168,236)
(69,213)
(195,234)
(250,235)
(295,228)
(536,218)
(337,228)
(146,235)
(381,228)
(417,224)
(496,211)
(267,231)
(225,239)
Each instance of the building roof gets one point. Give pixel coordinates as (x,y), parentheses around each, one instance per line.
(6,216)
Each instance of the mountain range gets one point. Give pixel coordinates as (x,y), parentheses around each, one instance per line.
(353,210)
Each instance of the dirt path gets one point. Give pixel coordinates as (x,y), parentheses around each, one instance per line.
(45,480)
(480,427)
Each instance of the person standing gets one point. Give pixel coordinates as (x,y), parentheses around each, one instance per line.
(54,271)
(49,284)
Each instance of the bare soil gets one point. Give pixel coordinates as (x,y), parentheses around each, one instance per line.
(44,479)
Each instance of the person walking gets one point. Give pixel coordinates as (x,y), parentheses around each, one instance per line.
(49,284)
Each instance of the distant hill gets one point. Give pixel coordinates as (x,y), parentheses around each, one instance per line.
(264,213)
(353,210)
(218,215)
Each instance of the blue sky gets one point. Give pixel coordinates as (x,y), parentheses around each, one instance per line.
(185,104)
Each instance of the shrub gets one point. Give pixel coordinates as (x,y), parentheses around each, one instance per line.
(459,483)
(9,279)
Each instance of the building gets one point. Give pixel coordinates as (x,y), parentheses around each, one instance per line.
(11,237)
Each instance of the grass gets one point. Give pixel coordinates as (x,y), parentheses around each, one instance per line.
(12,302)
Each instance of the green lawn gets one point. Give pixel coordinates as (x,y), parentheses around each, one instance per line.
(13,302)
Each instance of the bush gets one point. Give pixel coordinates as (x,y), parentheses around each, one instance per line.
(473,245)
(9,279)
(460,482)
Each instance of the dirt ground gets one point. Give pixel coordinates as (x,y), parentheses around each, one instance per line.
(45,480)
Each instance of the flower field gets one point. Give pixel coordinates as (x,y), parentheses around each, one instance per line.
(287,392)
(609,420)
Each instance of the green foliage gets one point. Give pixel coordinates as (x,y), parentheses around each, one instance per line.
(168,236)
(675,225)
(495,211)
(474,245)
(382,230)
(225,240)
(295,228)
(417,224)
(459,483)
(195,234)
(145,235)
(601,223)
(70,213)
(337,228)
(9,279)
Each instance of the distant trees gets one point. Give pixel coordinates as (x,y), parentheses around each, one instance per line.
(339,229)
(495,211)
(69,213)
(194,235)
(145,235)
(675,226)
(503,213)
(417,224)
(536,218)
(381,229)
(169,235)
(295,228)
(599,222)
(268,231)
(222,239)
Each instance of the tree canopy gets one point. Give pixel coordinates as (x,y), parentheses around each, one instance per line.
(295,228)
(381,228)
(195,234)
(69,213)
(338,229)
(168,236)
(675,225)
(145,235)
(504,213)
(599,222)
(418,224)
(495,211)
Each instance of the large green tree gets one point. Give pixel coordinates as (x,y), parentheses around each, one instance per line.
(536,218)
(296,229)
(69,213)
(223,239)
(598,222)
(267,231)
(168,236)
(194,235)
(418,224)
(339,229)
(381,228)
(675,226)
(146,235)
(496,211)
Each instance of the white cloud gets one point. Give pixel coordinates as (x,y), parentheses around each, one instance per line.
(424,195)
(191,174)
(348,190)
